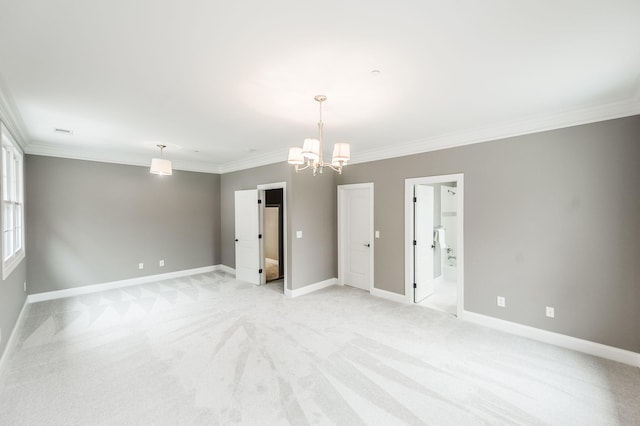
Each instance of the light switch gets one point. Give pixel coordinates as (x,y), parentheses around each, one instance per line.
(298,234)
(377,234)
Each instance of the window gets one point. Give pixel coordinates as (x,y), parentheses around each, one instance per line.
(12,204)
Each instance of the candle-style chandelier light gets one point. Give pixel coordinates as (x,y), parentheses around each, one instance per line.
(311,153)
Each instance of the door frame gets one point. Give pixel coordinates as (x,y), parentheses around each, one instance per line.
(342,234)
(277,185)
(408,234)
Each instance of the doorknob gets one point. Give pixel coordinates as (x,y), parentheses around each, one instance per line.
(367,245)
(236,240)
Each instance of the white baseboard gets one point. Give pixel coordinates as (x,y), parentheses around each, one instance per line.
(59,294)
(310,288)
(562,340)
(384,294)
(12,337)
(226,269)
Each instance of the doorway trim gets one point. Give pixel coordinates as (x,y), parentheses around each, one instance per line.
(278,185)
(408,234)
(342,189)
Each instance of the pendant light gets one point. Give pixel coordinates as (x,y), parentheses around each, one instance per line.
(161,166)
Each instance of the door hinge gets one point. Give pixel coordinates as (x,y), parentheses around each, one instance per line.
(259,236)
(415,243)
(260,270)
(415,285)
(415,199)
(259,201)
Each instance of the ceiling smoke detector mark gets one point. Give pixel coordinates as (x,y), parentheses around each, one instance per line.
(251,149)
(375,73)
(63,131)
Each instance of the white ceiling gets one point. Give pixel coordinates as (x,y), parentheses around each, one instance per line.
(229,85)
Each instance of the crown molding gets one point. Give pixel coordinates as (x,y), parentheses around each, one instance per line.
(270,157)
(48,150)
(625,108)
(538,124)
(10,117)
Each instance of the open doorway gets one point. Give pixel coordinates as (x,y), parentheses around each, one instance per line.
(273,235)
(434,242)
(273,250)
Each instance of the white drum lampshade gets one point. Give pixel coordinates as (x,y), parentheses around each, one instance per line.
(311,148)
(161,166)
(341,153)
(295,155)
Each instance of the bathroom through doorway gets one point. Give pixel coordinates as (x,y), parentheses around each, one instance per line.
(434,234)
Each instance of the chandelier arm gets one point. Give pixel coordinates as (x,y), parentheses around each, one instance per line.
(335,169)
(298,168)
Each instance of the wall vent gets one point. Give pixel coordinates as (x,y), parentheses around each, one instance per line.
(63,131)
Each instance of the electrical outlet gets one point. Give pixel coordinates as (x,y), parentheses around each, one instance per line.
(25,286)
(161,263)
(551,312)
(298,234)
(140,265)
(501,301)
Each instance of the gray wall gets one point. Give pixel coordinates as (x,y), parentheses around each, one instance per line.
(12,297)
(551,219)
(90,222)
(311,208)
(314,212)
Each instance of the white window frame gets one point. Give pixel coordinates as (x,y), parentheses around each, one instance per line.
(12,203)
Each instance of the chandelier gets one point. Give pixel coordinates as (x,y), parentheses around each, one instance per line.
(310,155)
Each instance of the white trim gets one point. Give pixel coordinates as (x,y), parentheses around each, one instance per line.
(226,269)
(310,288)
(408,229)
(13,337)
(529,125)
(341,239)
(255,160)
(557,339)
(10,117)
(384,294)
(636,92)
(60,294)
(16,152)
(75,153)
(504,130)
(283,185)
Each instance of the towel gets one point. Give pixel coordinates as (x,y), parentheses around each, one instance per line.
(439,237)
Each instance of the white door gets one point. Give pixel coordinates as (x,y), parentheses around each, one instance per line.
(356,235)
(423,241)
(247,216)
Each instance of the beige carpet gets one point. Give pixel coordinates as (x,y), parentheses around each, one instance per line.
(211,350)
